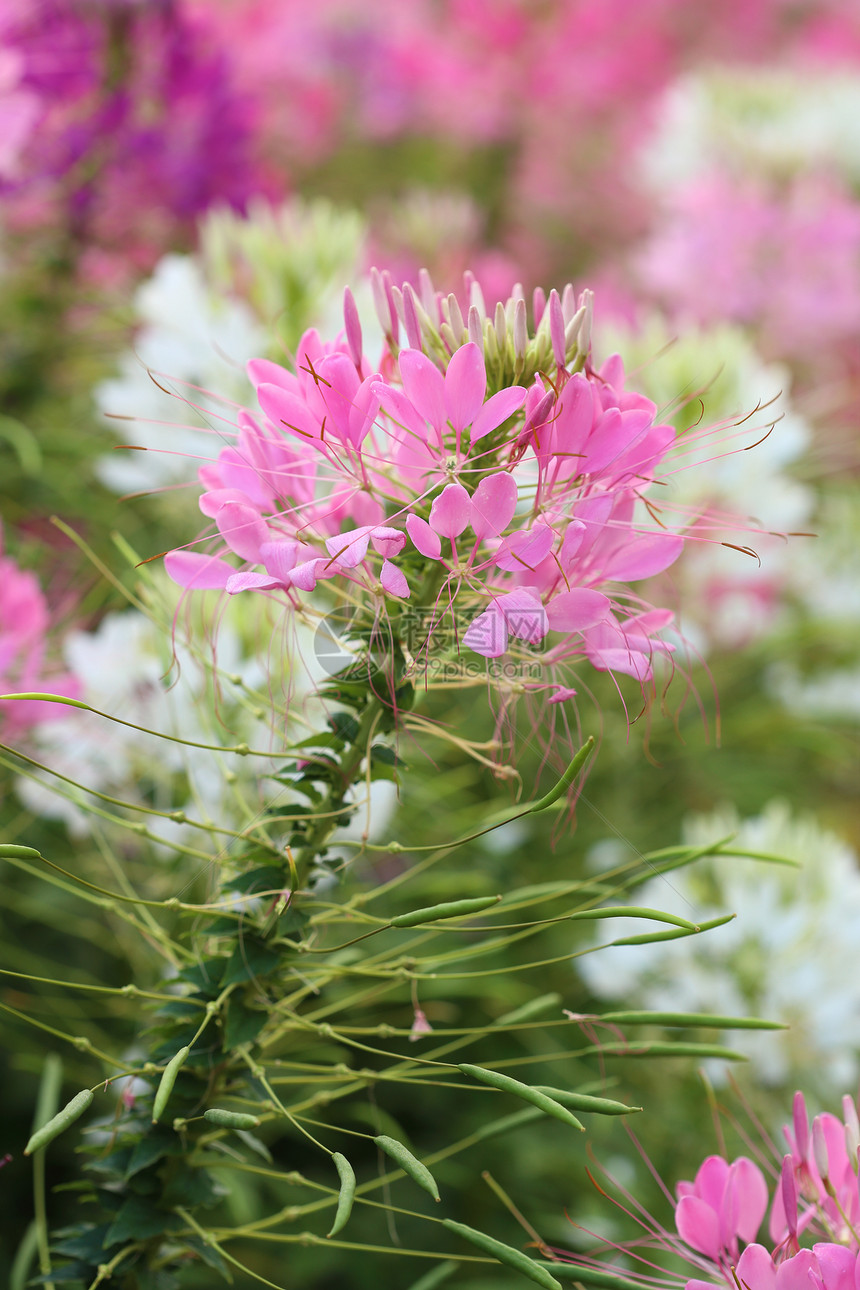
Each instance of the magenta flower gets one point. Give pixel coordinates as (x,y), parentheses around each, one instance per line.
(719,1215)
(491,475)
(24,627)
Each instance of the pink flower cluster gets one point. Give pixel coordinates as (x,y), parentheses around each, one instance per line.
(438,474)
(24,623)
(123,123)
(815,1200)
(561,92)
(785,261)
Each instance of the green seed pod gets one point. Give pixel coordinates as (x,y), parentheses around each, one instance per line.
(417,1172)
(584,1102)
(505,1254)
(70,1112)
(231,1119)
(633,911)
(8,851)
(347,1193)
(567,778)
(165,1086)
(525,1091)
(447,909)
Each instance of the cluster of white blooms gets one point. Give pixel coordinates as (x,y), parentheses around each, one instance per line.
(254,286)
(724,596)
(768,119)
(787,956)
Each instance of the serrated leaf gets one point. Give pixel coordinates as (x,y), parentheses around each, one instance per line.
(193,1186)
(265,878)
(210,1256)
(159,1142)
(243,1025)
(345,725)
(88,1244)
(250,959)
(137,1220)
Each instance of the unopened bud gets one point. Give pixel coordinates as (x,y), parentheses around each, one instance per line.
(819,1149)
(500,323)
(476,299)
(455,316)
(427,292)
(556,329)
(788,1188)
(410,317)
(538,304)
(352,326)
(521,334)
(852,1129)
(476,327)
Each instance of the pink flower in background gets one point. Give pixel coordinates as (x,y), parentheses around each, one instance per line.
(24,628)
(125,124)
(784,261)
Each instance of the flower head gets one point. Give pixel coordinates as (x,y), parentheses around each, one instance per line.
(483,469)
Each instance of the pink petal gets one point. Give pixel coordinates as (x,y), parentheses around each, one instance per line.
(711,1179)
(836,1264)
(349,548)
(393,580)
(488,633)
(493,504)
(698,1225)
(388,542)
(424,386)
(242,529)
(628,662)
(562,694)
(748,1183)
(262,371)
(496,410)
(642,556)
(305,575)
(574,611)
(574,535)
(451,511)
(525,616)
(574,416)
(287,411)
(525,549)
(279,558)
(793,1273)
(197,571)
(251,582)
(465,385)
(755,1269)
(423,537)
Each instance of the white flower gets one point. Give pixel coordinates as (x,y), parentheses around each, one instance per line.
(788,956)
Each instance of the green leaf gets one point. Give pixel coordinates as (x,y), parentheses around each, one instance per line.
(266,878)
(193,1186)
(254,1143)
(243,1024)
(210,1256)
(137,1220)
(157,1144)
(250,959)
(345,726)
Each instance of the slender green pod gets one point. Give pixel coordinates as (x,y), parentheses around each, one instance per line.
(505,1254)
(8,851)
(165,1086)
(701,1020)
(447,909)
(231,1119)
(347,1193)
(649,938)
(585,1102)
(590,1276)
(70,1112)
(566,780)
(633,911)
(508,1085)
(417,1172)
